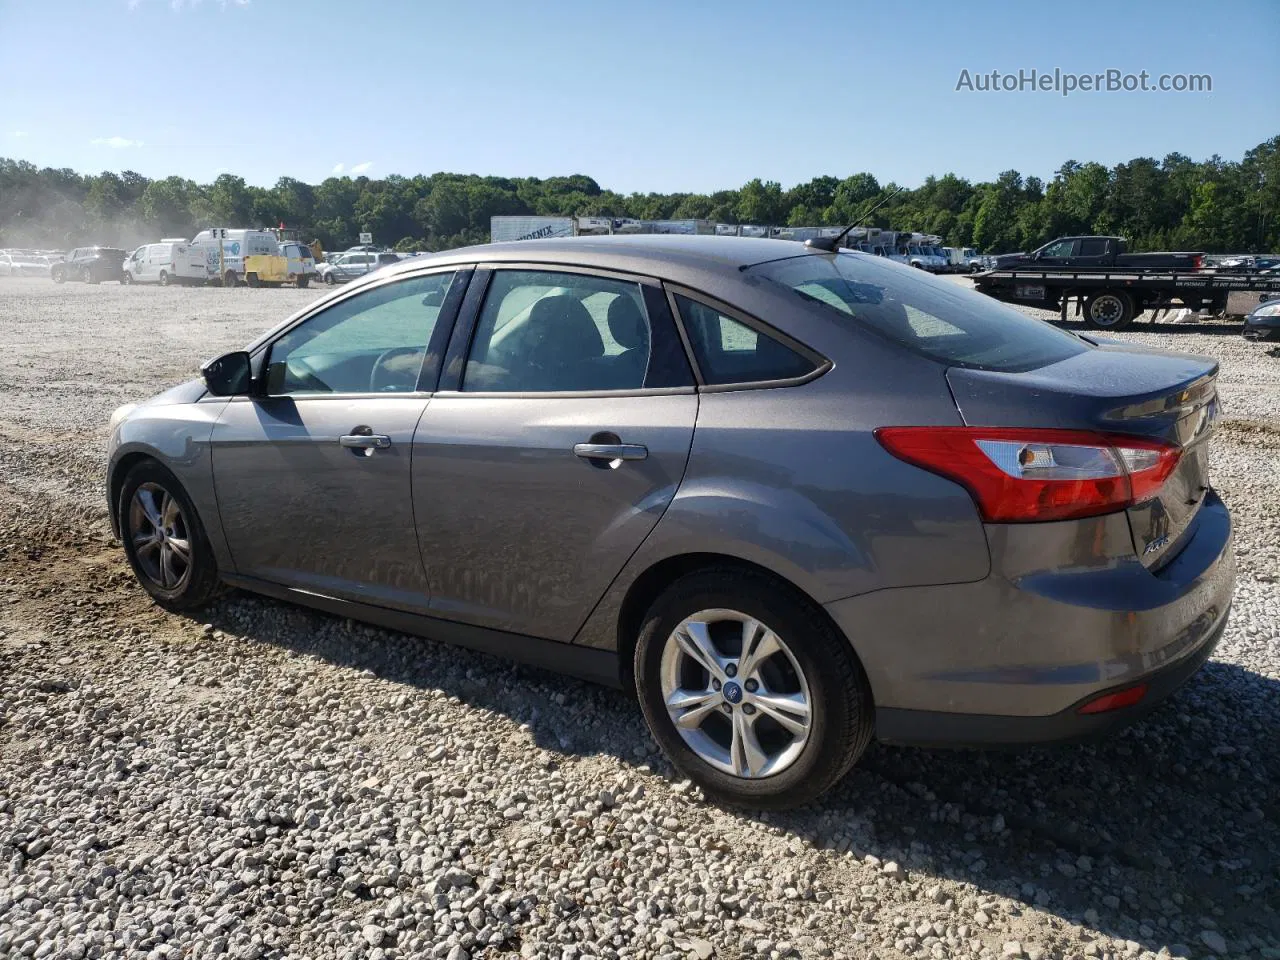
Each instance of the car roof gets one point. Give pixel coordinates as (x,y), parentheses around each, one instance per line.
(665,255)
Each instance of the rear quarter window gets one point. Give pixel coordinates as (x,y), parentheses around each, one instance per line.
(936,318)
(729,351)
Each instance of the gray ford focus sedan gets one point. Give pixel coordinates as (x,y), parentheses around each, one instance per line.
(794,499)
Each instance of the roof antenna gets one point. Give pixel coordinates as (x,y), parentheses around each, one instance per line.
(832,244)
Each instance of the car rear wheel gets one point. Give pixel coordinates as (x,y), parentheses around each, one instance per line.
(229,279)
(303,282)
(1109,310)
(59,276)
(251,279)
(750,691)
(164,540)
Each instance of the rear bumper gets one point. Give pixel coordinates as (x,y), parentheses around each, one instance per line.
(928,728)
(1067,613)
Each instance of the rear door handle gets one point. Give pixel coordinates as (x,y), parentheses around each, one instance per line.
(365,441)
(610,451)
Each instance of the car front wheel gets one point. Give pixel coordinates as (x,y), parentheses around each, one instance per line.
(164,540)
(751,692)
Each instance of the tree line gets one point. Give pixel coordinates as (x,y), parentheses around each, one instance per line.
(1213,205)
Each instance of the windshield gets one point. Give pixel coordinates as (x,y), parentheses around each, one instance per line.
(936,318)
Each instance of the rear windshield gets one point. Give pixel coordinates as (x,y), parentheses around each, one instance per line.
(937,318)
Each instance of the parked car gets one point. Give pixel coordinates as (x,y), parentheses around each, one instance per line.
(349,266)
(91,265)
(893,507)
(22,265)
(1097,253)
(1264,322)
(155,263)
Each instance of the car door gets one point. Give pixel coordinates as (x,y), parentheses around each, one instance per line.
(1057,254)
(357,265)
(1093,252)
(313,473)
(133,266)
(556,441)
(159,258)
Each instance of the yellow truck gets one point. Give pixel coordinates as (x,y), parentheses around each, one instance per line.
(294,264)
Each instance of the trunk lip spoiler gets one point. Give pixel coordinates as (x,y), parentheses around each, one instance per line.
(1193,396)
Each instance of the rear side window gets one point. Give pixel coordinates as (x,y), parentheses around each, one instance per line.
(1093,248)
(729,351)
(936,318)
(543,332)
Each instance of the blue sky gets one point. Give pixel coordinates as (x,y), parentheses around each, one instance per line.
(660,96)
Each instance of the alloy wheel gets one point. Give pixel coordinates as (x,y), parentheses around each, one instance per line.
(736,693)
(161,536)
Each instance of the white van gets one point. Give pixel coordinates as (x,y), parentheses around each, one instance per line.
(155,263)
(202,256)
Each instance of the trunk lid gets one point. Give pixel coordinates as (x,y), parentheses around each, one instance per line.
(1114,388)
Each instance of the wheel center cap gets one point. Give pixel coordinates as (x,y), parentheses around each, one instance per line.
(732,692)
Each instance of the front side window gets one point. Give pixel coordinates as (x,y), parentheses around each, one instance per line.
(373,342)
(543,331)
(729,351)
(943,321)
(1060,249)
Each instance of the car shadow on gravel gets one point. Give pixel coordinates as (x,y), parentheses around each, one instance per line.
(1166,829)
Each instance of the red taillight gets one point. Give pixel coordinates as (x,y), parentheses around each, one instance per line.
(1024,475)
(1114,701)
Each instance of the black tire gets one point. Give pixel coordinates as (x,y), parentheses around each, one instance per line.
(251,279)
(303,282)
(59,276)
(229,279)
(164,278)
(329,278)
(87,275)
(200,582)
(843,712)
(1109,310)
(126,278)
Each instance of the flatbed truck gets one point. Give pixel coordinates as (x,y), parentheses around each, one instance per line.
(1112,299)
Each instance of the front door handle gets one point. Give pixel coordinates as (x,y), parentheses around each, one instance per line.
(610,451)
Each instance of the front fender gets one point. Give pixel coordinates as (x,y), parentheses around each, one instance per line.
(176,435)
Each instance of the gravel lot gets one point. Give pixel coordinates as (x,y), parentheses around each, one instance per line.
(270,782)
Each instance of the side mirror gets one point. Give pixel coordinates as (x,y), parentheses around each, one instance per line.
(229,375)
